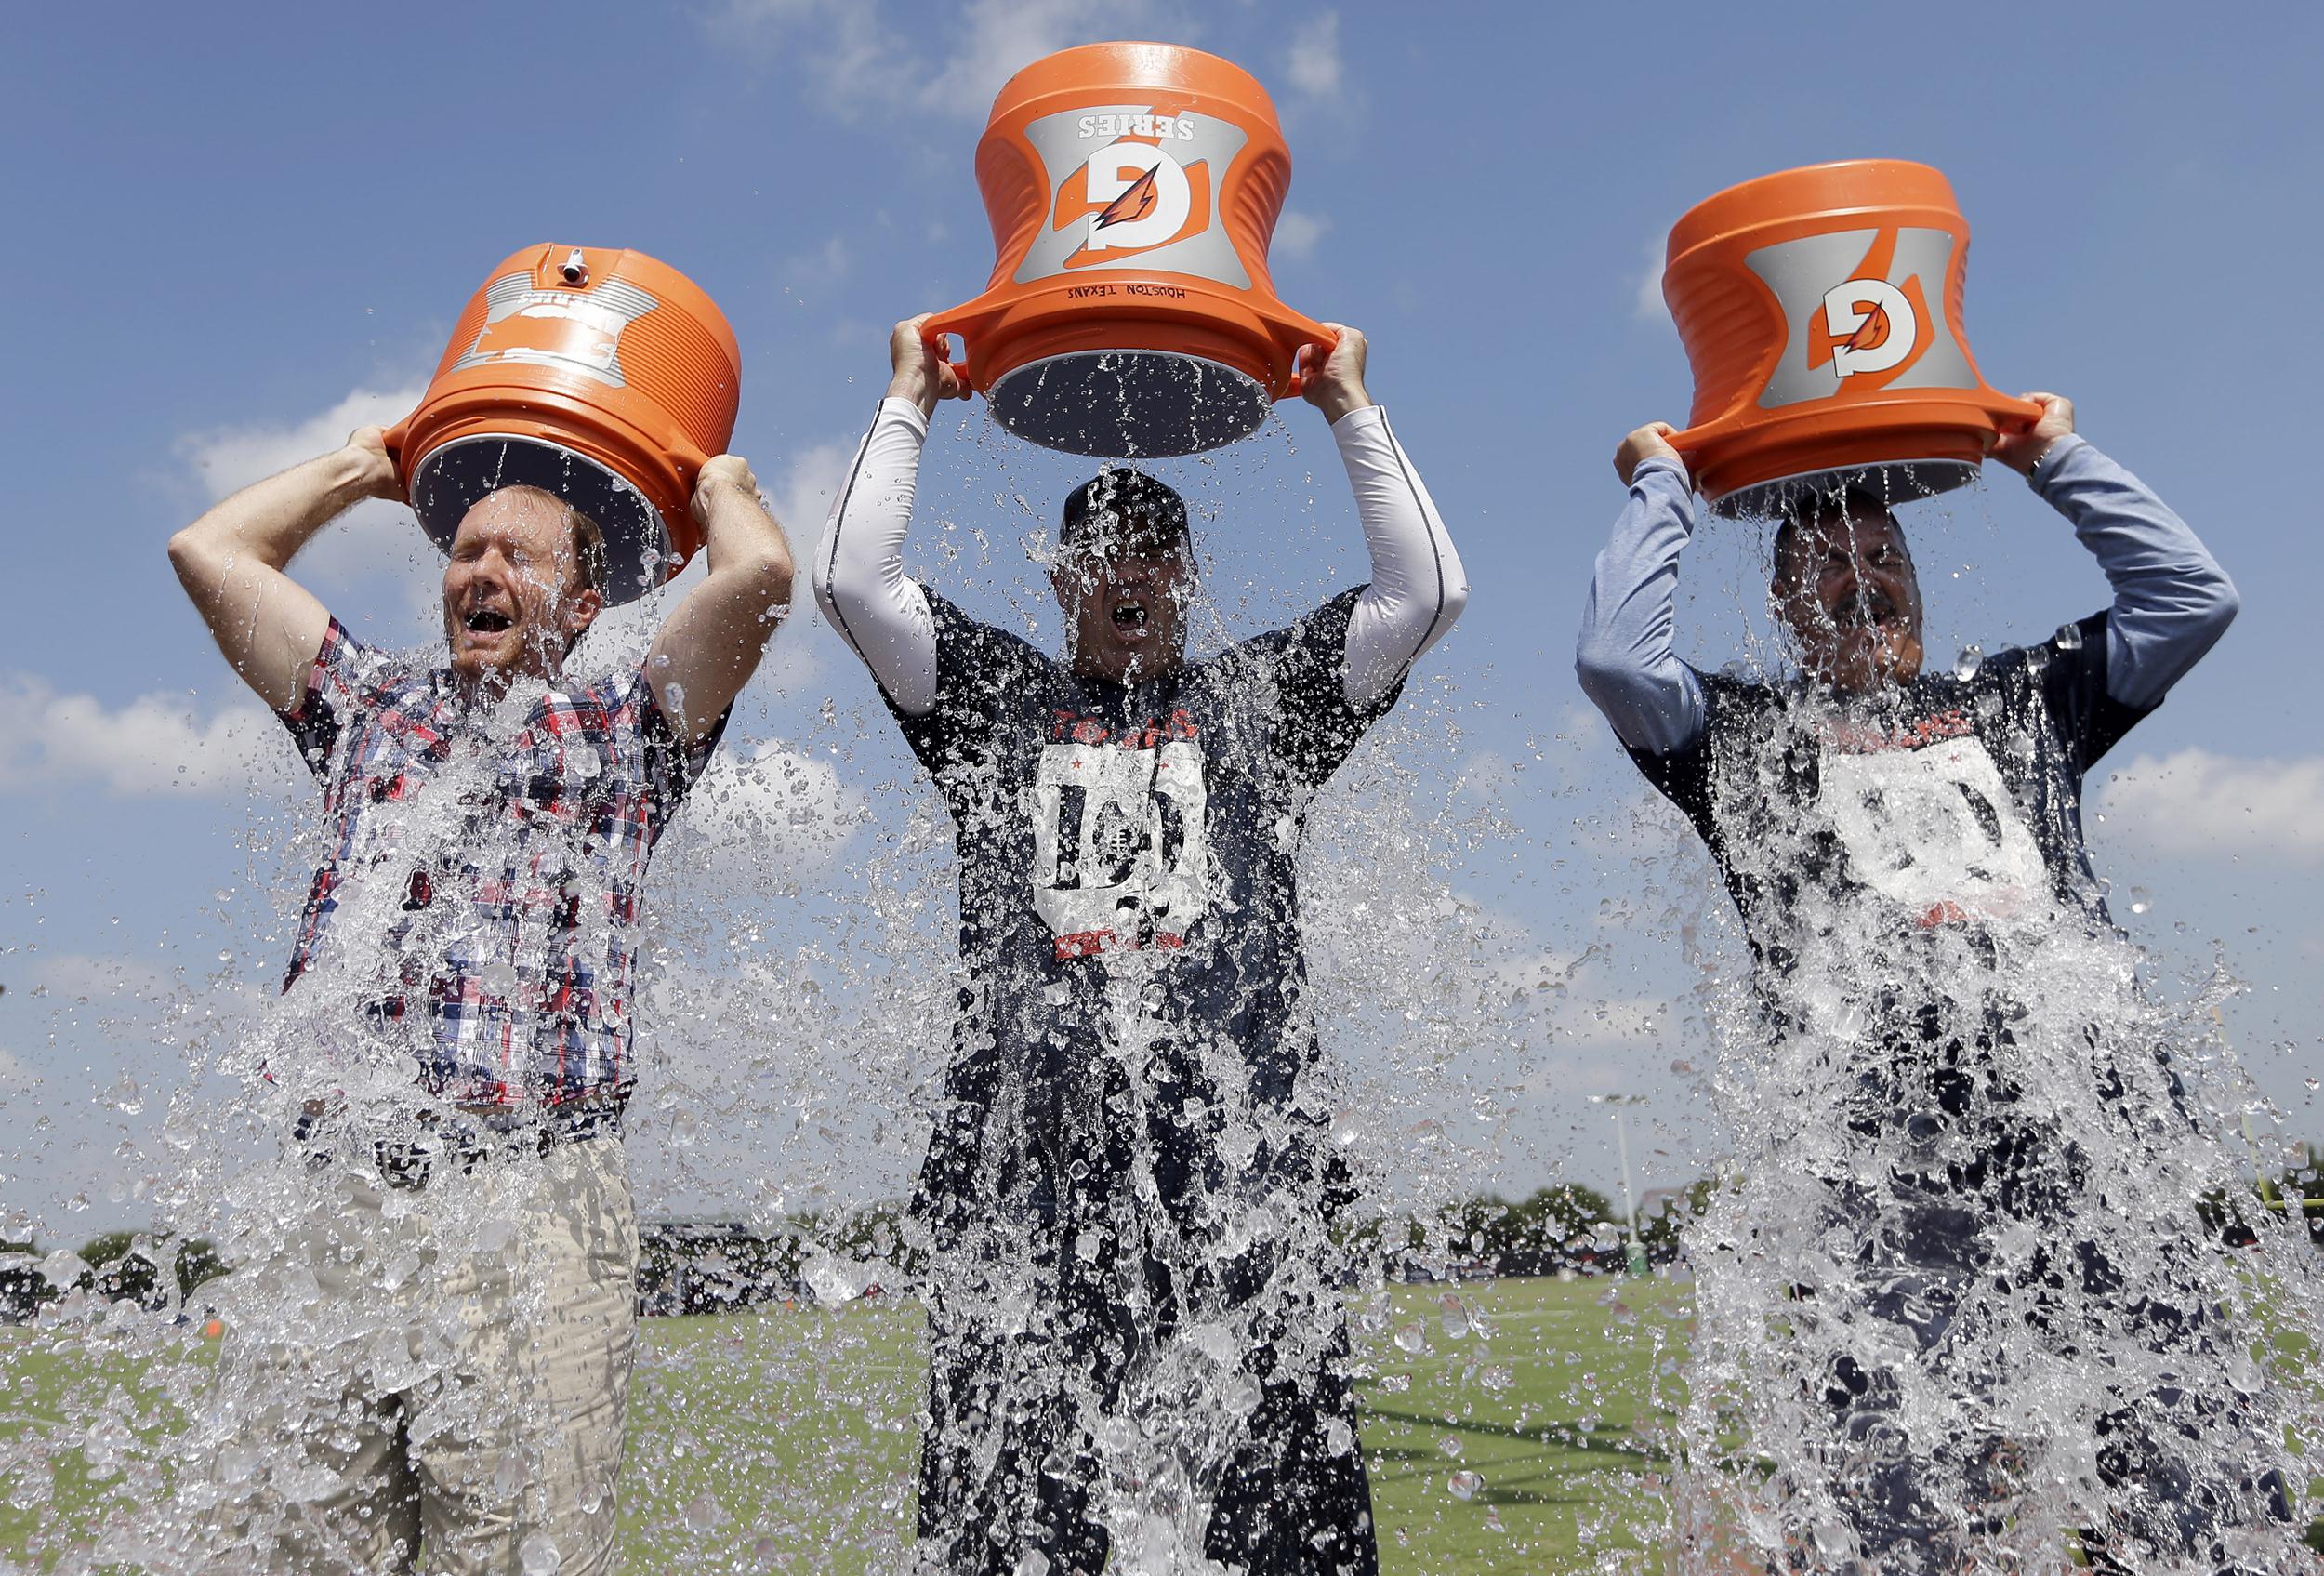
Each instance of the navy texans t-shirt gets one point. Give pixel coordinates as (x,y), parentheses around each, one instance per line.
(1946,799)
(1129,908)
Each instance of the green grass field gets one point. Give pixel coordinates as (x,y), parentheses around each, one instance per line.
(784,1442)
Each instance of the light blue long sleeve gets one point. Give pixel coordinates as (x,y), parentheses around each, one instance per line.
(2172,600)
(1624,658)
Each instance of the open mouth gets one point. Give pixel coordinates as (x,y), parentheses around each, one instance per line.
(486,621)
(1870,609)
(1130,617)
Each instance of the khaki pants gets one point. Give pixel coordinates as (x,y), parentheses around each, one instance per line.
(431,1379)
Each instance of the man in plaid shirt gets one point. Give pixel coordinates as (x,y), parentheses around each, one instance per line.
(437,1351)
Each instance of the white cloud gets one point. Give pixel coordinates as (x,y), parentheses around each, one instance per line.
(15,1076)
(855,61)
(1002,36)
(373,542)
(826,266)
(1646,304)
(1581,1009)
(2198,803)
(84,976)
(229,459)
(155,744)
(1314,67)
(1296,234)
(802,499)
(859,63)
(776,807)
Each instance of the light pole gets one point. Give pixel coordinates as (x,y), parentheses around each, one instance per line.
(1637,1257)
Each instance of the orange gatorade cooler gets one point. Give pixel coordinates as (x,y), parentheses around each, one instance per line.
(1820,309)
(1133,188)
(605,377)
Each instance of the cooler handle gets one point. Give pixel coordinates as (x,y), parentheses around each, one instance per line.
(393,439)
(954,324)
(1299,335)
(2014,414)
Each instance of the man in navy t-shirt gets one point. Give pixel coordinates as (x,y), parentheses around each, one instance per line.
(1133,1317)
(1906,851)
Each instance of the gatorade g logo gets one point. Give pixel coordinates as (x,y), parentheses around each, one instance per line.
(574,330)
(1144,196)
(1871,326)
(1148,200)
(1863,308)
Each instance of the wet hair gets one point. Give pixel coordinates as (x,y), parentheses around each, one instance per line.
(588,550)
(589,554)
(1813,507)
(1120,498)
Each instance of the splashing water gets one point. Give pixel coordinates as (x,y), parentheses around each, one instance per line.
(797,969)
(1959,1297)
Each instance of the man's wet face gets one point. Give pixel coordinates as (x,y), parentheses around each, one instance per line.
(514,598)
(1124,587)
(1844,585)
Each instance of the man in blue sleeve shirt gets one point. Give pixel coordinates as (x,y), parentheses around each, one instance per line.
(1897,842)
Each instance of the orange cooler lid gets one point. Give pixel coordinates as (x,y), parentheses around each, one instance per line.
(1134,188)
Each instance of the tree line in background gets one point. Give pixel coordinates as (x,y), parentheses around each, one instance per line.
(156,1274)
(708,1266)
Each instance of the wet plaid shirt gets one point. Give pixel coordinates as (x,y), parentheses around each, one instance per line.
(501,876)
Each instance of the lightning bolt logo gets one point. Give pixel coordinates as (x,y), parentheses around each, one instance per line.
(1134,203)
(1872,331)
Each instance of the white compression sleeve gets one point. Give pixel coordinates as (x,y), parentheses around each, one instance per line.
(1417,584)
(858,571)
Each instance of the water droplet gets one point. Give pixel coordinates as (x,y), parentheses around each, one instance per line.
(2069,637)
(1411,1338)
(1965,666)
(537,1554)
(703,1514)
(1464,1484)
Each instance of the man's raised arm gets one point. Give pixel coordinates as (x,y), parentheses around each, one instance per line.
(1624,658)
(858,572)
(707,650)
(1417,586)
(232,562)
(2172,600)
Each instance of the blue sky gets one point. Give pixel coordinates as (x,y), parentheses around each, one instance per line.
(242,230)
